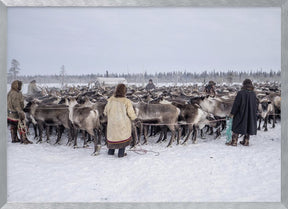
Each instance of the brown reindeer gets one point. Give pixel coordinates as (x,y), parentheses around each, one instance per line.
(50,115)
(164,114)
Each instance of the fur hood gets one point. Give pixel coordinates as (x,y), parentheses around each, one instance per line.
(247,85)
(16,85)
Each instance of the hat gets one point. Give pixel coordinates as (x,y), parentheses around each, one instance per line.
(211,83)
(247,82)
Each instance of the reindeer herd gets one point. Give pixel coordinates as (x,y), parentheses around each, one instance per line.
(179,111)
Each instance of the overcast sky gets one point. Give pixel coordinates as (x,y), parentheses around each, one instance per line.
(93,40)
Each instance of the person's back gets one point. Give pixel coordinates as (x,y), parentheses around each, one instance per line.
(120,112)
(244,114)
(118,116)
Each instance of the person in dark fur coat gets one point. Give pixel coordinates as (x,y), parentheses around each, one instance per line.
(244,114)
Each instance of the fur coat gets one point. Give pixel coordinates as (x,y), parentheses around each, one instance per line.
(120,112)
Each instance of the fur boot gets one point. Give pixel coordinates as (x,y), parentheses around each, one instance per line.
(14,136)
(245,141)
(24,139)
(234,140)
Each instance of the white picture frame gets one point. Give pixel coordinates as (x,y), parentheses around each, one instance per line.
(283,4)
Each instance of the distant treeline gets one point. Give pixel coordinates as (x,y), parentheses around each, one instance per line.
(169,77)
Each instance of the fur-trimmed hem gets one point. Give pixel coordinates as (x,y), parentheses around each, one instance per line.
(118,144)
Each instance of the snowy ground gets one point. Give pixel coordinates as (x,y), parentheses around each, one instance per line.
(208,171)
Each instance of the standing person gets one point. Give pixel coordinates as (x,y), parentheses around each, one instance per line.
(120,112)
(244,114)
(150,86)
(16,115)
(33,90)
(210,88)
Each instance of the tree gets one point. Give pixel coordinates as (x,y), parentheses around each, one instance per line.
(14,69)
(62,75)
(230,77)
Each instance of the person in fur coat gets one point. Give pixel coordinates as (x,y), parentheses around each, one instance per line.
(244,114)
(15,113)
(120,113)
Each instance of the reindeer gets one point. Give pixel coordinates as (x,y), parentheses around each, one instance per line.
(50,115)
(265,109)
(217,106)
(194,117)
(165,114)
(85,118)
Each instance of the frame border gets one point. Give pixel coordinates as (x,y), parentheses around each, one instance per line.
(283,4)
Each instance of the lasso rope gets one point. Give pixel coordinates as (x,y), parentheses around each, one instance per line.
(165,124)
(142,151)
(22,127)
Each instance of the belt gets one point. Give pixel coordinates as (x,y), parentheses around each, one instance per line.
(11,112)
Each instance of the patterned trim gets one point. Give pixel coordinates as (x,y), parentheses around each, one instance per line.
(13,119)
(119,142)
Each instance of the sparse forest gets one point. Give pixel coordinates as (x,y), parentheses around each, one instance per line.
(175,77)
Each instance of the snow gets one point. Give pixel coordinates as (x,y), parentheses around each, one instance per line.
(208,171)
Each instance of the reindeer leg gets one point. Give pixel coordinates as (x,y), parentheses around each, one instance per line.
(160,137)
(202,134)
(105,134)
(35,131)
(165,133)
(50,130)
(85,145)
(172,136)
(60,130)
(99,136)
(151,131)
(218,133)
(84,137)
(134,136)
(75,138)
(58,135)
(184,130)
(265,123)
(274,120)
(140,133)
(190,127)
(89,138)
(145,131)
(155,130)
(259,126)
(207,129)
(47,134)
(40,126)
(179,130)
(211,131)
(97,145)
(194,138)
